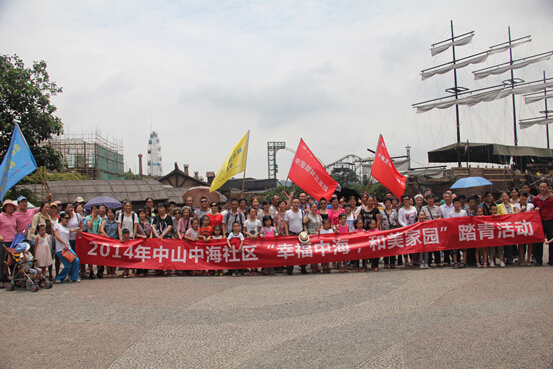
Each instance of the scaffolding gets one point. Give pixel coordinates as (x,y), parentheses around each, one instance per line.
(92,155)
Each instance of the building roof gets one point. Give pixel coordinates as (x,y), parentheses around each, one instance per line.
(177,178)
(490,153)
(132,190)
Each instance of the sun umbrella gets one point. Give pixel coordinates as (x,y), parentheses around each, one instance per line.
(471,182)
(198,192)
(109,202)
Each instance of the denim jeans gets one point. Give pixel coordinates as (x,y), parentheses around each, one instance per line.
(68,268)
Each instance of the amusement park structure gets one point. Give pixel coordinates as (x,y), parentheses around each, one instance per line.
(155,168)
(351,161)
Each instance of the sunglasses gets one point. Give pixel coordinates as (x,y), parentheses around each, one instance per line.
(64,217)
(177,212)
(203,201)
(212,205)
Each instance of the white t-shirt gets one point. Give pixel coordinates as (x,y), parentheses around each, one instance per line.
(407,217)
(64,235)
(129,222)
(295,221)
(74,223)
(252,227)
(350,222)
(462,213)
(529,207)
(326,231)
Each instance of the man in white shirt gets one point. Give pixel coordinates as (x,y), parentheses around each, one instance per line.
(447,208)
(293,226)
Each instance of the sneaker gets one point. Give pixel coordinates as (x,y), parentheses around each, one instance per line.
(492,264)
(234,274)
(502,264)
(57,281)
(422,266)
(77,281)
(426,266)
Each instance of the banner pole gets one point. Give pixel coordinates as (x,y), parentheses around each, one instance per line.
(243,183)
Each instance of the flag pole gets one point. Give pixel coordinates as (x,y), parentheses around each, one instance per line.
(43,182)
(243,183)
(369,183)
(245,163)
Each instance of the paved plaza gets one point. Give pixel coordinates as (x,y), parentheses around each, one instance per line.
(437,318)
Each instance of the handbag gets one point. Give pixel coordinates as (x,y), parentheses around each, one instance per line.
(68,255)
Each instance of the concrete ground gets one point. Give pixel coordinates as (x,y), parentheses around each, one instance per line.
(436,318)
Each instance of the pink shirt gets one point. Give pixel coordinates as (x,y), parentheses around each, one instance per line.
(23,220)
(8,227)
(333,215)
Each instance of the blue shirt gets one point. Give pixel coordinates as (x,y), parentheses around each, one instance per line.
(111,229)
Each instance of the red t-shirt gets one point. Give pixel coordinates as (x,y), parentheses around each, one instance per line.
(215,219)
(206,231)
(546,207)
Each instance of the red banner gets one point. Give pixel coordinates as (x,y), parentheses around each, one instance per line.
(385,172)
(308,173)
(440,234)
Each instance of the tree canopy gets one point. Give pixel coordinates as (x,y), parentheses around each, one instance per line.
(25,99)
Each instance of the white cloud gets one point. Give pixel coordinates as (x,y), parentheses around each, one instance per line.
(203,73)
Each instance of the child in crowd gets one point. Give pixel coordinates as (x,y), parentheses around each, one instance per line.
(235,240)
(27,264)
(218,235)
(268,231)
(374,261)
(359,229)
(193,235)
(423,256)
(326,230)
(42,250)
(458,213)
(480,251)
(350,220)
(500,249)
(252,226)
(342,228)
(206,230)
(127,273)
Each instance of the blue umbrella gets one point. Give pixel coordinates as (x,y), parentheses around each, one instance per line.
(109,202)
(471,182)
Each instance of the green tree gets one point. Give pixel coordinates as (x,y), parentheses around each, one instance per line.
(25,99)
(345,177)
(130,175)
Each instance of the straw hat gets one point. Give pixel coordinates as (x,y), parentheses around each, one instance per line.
(303,237)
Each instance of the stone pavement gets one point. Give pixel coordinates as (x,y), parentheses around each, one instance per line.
(437,318)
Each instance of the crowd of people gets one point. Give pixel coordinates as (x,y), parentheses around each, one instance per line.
(51,229)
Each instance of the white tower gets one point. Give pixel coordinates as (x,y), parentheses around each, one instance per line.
(154,156)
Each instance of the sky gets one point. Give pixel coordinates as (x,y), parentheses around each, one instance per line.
(335,73)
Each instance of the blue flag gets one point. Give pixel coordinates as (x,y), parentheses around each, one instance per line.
(18,162)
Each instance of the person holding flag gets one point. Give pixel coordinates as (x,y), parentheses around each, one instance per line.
(17,164)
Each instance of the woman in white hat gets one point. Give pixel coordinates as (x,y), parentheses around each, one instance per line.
(8,230)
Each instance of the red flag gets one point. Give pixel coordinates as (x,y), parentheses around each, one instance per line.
(385,172)
(308,173)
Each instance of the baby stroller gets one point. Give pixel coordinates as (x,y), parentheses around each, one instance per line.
(21,277)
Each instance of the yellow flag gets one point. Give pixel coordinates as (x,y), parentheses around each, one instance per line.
(235,163)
